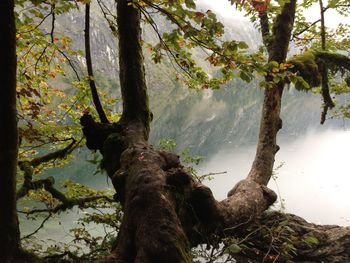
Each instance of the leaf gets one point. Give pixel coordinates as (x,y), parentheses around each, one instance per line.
(199,14)
(301,84)
(310,240)
(232,249)
(244,76)
(190,4)
(242,45)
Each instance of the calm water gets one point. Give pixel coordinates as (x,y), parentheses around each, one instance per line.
(314,182)
(314,179)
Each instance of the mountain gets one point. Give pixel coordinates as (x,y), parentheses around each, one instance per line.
(203,121)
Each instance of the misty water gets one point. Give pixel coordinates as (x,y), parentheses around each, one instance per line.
(312,182)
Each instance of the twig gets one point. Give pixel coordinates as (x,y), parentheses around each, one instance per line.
(40,227)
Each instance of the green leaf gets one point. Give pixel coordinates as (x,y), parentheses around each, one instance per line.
(242,45)
(301,84)
(233,249)
(310,240)
(245,76)
(190,4)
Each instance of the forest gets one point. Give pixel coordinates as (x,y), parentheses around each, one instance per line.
(107,106)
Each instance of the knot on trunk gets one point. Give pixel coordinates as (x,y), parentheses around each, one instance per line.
(94,132)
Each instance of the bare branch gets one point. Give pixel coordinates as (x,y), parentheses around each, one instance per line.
(91,80)
(40,227)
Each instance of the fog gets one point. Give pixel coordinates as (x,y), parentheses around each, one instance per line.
(313,181)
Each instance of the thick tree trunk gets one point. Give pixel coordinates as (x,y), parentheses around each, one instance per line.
(9,230)
(279,237)
(166,211)
(151,230)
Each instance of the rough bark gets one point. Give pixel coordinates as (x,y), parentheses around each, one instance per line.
(271,122)
(9,230)
(151,229)
(279,237)
(132,72)
(166,211)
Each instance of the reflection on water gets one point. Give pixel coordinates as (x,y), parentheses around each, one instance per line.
(314,180)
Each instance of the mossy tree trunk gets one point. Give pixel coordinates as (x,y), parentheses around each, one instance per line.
(9,230)
(151,230)
(166,211)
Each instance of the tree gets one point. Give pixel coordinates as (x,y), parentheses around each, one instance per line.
(166,211)
(9,229)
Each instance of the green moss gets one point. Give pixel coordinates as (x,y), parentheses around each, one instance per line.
(335,62)
(184,251)
(347,80)
(305,64)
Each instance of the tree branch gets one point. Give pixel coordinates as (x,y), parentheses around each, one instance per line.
(280,237)
(93,88)
(265,28)
(327,100)
(132,72)
(27,168)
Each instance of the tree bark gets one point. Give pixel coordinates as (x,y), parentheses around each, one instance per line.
(280,237)
(131,66)
(93,88)
(10,249)
(9,230)
(166,211)
(327,99)
(271,122)
(151,230)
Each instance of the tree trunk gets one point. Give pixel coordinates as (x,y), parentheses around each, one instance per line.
(151,230)
(279,237)
(271,122)
(9,230)
(166,211)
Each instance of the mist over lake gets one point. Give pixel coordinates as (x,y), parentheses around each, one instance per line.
(313,180)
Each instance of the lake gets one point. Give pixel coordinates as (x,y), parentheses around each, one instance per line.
(313,180)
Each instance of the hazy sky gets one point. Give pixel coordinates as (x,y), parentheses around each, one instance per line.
(220,6)
(228,11)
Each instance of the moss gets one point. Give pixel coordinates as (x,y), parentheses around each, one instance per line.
(305,64)
(308,65)
(336,62)
(184,251)
(347,80)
